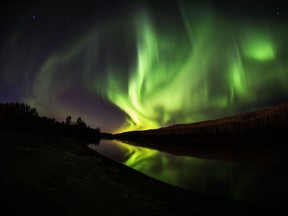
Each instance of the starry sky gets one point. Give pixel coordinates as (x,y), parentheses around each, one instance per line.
(126,65)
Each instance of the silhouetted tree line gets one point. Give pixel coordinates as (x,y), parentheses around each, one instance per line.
(22,117)
(259,136)
(272,120)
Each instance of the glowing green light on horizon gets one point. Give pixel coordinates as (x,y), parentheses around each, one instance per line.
(161,86)
(193,173)
(200,68)
(150,162)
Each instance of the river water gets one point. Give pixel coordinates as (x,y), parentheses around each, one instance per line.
(248,182)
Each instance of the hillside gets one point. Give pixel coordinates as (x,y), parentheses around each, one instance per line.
(246,135)
(47,170)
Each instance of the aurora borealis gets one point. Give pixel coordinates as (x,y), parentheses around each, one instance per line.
(143,65)
(232,179)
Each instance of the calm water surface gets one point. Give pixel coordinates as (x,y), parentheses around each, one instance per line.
(240,181)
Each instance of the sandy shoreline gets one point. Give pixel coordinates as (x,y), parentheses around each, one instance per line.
(43,174)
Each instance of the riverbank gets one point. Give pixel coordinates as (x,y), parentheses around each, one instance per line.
(254,137)
(268,149)
(44,174)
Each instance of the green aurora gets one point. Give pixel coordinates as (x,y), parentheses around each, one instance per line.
(235,180)
(190,66)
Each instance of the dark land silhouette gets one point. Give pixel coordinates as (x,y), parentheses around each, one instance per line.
(21,117)
(258,136)
(46,168)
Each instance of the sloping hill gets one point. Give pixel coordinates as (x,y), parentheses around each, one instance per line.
(270,120)
(246,135)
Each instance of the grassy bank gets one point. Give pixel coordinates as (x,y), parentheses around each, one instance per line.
(51,175)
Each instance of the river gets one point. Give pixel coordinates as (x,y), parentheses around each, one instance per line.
(248,182)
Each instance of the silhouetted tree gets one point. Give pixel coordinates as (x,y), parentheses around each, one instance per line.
(34,112)
(68,120)
(80,123)
(22,117)
(97,129)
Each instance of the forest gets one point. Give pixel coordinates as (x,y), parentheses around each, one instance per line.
(271,120)
(23,118)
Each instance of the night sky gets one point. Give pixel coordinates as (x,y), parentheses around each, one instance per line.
(124,65)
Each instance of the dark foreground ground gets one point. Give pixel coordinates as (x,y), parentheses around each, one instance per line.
(42,174)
